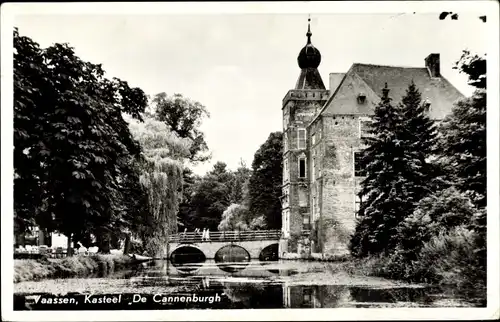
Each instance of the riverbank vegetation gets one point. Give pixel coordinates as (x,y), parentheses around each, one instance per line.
(72,266)
(423,209)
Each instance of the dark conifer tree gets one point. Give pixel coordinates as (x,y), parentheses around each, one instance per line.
(417,137)
(383,198)
(399,173)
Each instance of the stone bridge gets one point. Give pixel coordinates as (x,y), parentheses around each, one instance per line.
(252,244)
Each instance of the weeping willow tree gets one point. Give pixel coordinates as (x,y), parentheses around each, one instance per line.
(164,154)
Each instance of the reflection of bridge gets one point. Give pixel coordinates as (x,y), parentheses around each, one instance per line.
(252,242)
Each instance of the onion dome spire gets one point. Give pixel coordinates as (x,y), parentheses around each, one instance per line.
(309,59)
(309,56)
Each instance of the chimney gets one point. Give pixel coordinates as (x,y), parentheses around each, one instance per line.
(432,64)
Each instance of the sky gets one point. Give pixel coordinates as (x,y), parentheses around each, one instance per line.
(240,66)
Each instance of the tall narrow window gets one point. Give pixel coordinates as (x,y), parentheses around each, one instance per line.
(364,127)
(302,167)
(301,138)
(359,169)
(306,222)
(313,139)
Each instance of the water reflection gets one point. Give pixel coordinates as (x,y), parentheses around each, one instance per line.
(253,287)
(187,259)
(232,258)
(269,285)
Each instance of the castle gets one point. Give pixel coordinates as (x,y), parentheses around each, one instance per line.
(322,132)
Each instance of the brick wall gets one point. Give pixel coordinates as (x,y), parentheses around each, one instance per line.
(334,152)
(299,107)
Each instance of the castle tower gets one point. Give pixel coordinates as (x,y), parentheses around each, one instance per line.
(300,106)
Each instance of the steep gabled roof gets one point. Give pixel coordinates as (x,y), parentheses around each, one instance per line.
(370,79)
(441,93)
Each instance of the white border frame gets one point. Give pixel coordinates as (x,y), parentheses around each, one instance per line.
(8,12)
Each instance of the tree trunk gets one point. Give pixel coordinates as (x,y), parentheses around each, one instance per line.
(103,243)
(126,246)
(104,247)
(69,251)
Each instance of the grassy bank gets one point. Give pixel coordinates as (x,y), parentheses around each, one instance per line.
(456,274)
(73,266)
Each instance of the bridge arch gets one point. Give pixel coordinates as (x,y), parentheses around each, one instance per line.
(187,258)
(269,253)
(232,258)
(232,253)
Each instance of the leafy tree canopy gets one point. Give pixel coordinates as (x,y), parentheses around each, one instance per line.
(184,117)
(264,188)
(73,152)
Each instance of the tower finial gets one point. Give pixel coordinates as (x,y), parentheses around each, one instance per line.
(309,33)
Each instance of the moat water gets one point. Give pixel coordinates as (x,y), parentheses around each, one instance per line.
(255,284)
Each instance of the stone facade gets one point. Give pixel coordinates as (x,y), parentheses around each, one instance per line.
(323,130)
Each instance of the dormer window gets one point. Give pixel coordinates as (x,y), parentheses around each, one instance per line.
(361,98)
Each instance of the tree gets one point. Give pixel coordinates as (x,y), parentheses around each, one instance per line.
(198,198)
(187,212)
(239,186)
(383,200)
(264,188)
(441,211)
(184,117)
(212,197)
(238,217)
(463,146)
(417,138)
(399,171)
(474,66)
(73,153)
(161,177)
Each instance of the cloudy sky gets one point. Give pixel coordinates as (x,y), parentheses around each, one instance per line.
(240,66)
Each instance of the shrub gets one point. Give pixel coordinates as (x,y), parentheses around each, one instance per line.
(437,212)
(451,258)
(29,269)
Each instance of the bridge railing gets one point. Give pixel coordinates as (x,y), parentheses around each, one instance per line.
(190,237)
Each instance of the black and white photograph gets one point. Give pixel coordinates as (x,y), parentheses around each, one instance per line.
(252,160)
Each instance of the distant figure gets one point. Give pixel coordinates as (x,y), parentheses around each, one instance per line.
(204,234)
(184,233)
(207,236)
